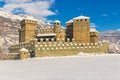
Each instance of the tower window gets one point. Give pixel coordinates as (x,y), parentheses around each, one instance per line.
(85,19)
(57,23)
(81,20)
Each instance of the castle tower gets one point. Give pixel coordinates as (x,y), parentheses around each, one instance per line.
(81,29)
(57,28)
(93,35)
(69,29)
(27,30)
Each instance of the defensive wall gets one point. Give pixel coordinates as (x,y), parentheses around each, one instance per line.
(59,48)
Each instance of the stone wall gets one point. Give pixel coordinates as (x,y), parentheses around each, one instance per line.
(68,48)
(60,48)
(9,56)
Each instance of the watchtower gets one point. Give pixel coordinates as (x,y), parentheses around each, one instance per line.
(57,28)
(69,29)
(27,30)
(81,29)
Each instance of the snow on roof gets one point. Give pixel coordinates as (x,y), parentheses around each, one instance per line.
(82,17)
(57,21)
(70,21)
(92,29)
(30,17)
(52,34)
(48,23)
(62,27)
(23,49)
(79,17)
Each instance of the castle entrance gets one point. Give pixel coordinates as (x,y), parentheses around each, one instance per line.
(32,54)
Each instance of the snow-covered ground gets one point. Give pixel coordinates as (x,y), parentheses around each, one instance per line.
(100,67)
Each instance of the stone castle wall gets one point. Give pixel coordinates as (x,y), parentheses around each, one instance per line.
(60,48)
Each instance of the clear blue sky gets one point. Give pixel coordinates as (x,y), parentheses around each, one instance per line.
(104,13)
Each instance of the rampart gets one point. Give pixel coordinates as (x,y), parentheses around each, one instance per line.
(59,48)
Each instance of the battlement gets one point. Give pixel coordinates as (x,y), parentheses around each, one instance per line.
(27,21)
(45,30)
(55,45)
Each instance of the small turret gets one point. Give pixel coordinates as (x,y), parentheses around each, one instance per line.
(94,35)
(57,26)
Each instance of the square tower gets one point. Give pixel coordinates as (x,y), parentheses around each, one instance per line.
(27,30)
(81,29)
(69,29)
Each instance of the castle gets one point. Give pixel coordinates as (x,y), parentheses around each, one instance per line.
(54,40)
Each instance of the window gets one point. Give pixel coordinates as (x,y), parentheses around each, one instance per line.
(57,23)
(38,40)
(85,19)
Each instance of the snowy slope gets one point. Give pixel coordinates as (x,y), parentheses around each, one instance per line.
(8,28)
(68,68)
(9,15)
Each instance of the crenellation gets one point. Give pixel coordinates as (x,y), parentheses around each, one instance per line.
(85,47)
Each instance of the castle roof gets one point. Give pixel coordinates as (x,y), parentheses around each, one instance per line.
(41,35)
(82,17)
(23,50)
(70,21)
(57,21)
(79,17)
(92,29)
(48,23)
(30,18)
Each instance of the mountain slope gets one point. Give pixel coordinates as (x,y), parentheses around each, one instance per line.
(113,38)
(9,24)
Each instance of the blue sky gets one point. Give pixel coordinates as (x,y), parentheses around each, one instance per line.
(104,14)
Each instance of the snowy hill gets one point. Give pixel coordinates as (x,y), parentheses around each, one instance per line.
(11,16)
(9,28)
(113,38)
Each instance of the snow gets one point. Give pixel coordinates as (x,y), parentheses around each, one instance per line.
(92,29)
(29,17)
(81,17)
(23,50)
(100,67)
(48,24)
(57,21)
(70,21)
(6,14)
(52,34)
